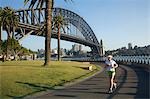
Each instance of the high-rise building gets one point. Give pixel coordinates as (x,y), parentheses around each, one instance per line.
(80,47)
(62,52)
(75,47)
(129,45)
(41,51)
(54,51)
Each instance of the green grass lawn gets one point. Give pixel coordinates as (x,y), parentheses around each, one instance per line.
(22,78)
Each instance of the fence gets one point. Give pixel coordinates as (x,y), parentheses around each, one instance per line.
(128,59)
(133,59)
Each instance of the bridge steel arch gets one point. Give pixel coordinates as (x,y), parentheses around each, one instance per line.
(32,23)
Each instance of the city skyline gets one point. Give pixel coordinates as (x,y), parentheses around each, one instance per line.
(116,22)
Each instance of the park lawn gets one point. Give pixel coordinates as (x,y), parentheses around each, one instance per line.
(21,78)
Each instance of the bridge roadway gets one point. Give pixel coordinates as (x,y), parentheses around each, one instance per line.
(64,36)
(133,83)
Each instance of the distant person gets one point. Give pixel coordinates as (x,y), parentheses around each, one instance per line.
(110,66)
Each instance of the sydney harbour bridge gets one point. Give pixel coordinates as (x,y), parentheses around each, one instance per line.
(31,22)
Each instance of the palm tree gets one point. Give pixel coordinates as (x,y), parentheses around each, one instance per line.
(9,21)
(58,24)
(49,6)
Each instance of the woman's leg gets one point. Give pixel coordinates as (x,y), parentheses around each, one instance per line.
(112,81)
(115,82)
(110,75)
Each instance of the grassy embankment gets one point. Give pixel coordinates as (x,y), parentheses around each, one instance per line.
(22,78)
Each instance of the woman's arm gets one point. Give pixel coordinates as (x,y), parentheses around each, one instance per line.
(105,66)
(115,65)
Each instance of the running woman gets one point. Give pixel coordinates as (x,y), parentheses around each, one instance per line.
(110,66)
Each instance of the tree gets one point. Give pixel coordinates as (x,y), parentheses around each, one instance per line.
(13,45)
(49,6)
(3,47)
(16,48)
(9,21)
(58,24)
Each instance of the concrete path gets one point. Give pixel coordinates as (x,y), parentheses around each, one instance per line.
(133,83)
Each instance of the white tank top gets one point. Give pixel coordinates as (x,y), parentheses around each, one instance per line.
(111,64)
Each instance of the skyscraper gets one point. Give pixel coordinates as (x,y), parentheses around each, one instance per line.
(75,47)
(129,45)
(80,47)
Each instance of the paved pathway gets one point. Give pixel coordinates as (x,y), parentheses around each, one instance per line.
(131,84)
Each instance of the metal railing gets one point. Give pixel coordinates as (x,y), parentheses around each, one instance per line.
(128,59)
(134,59)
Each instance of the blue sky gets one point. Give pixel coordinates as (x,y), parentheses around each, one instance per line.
(116,22)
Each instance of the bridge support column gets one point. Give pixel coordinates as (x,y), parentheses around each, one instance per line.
(101,48)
